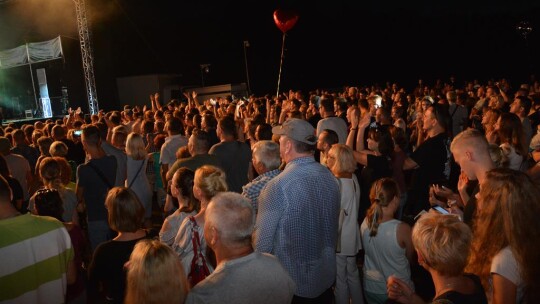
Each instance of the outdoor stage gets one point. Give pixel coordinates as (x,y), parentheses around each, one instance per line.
(21,121)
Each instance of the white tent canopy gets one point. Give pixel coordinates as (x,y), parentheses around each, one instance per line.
(31,53)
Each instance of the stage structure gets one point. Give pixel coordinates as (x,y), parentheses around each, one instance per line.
(87,56)
(32,53)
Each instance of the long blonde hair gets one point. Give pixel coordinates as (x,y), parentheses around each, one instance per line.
(155,275)
(383,191)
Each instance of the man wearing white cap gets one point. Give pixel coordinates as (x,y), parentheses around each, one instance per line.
(298,215)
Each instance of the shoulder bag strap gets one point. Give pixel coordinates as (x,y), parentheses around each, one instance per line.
(136,174)
(100,174)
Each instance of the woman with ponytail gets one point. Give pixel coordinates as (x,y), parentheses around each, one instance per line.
(50,172)
(386,241)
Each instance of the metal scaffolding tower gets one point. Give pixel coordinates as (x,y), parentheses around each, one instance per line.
(87,56)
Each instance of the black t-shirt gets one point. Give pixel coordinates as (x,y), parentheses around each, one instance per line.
(477,297)
(377,167)
(94,187)
(107,267)
(431,157)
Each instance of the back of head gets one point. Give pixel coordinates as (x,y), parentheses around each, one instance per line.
(48,202)
(183,181)
(443,241)
(231,214)
(5,145)
(263,132)
(58,148)
(200,142)
(382,192)
(18,137)
(91,136)
(470,139)
(267,153)
(44,144)
(327,103)
(210,180)
(330,137)
(135,146)
(175,126)
(155,275)
(228,126)
(58,132)
(50,173)
(126,213)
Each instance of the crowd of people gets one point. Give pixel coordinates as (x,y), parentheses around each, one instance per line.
(362,195)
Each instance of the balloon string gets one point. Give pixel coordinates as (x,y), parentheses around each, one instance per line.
(280,64)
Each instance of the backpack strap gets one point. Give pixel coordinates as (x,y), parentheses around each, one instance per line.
(100,174)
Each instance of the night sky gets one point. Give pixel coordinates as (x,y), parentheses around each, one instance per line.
(334,43)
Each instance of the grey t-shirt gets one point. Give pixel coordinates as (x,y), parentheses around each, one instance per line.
(254,278)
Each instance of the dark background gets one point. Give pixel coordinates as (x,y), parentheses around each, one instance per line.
(334,43)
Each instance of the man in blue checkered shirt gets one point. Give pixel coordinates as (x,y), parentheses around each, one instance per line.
(298,215)
(266,161)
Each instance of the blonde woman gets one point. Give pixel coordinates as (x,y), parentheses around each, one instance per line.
(340,161)
(442,243)
(155,275)
(136,174)
(386,241)
(209,181)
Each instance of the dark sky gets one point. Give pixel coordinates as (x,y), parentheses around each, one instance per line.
(334,43)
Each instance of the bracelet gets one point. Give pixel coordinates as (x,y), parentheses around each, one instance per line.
(354,128)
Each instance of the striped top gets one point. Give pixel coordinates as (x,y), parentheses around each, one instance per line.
(35,253)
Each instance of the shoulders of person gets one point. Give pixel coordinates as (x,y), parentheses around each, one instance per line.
(504,263)
(15,158)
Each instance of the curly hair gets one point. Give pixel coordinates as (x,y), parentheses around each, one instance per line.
(508,208)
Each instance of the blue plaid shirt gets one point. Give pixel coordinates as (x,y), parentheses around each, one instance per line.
(298,223)
(253,188)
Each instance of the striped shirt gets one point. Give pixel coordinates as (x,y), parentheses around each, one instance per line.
(35,255)
(298,223)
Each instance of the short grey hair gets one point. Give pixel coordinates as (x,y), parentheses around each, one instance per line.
(267,152)
(232,215)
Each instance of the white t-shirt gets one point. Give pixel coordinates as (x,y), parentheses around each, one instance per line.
(504,263)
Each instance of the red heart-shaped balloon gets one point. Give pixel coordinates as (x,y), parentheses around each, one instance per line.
(285,20)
